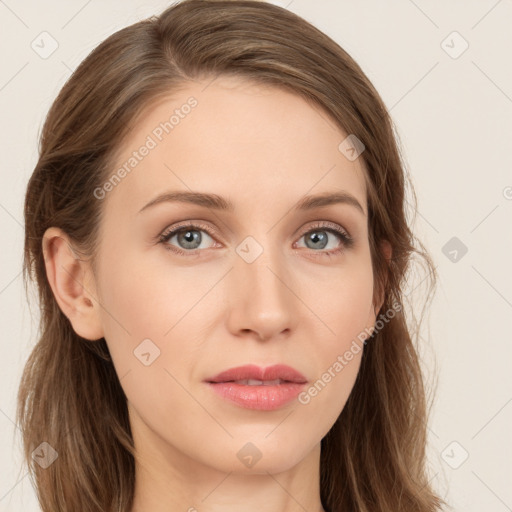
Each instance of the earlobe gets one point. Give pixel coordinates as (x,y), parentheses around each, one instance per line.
(386,249)
(67,275)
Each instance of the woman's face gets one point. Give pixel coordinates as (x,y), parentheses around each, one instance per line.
(261,283)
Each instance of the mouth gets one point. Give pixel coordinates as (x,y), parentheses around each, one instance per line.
(252,387)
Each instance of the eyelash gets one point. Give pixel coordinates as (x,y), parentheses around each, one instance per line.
(346,239)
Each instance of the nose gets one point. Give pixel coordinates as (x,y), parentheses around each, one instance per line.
(261,297)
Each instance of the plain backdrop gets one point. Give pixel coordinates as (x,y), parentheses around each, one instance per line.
(443,69)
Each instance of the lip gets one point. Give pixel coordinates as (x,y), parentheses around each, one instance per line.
(252,371)
(258,397)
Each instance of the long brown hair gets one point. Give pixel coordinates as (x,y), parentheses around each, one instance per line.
(374,457)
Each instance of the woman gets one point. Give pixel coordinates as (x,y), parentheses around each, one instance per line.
(217,229)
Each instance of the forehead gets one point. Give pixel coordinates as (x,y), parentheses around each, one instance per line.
(256,145)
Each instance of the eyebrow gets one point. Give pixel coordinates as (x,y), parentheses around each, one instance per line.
(217,202)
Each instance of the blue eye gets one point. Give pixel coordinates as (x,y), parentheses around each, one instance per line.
(190,237)
(319,236)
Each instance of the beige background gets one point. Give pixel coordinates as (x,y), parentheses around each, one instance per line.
(454,117)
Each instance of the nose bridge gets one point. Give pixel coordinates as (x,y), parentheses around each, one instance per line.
(259,265)
(263,299)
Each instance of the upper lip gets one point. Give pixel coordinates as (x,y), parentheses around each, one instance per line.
(252,371)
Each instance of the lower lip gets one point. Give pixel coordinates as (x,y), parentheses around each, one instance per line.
(262,398)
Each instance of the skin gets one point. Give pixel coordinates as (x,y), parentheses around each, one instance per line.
(263,149)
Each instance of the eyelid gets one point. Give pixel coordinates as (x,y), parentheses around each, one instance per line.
(212,231)
(327,224)
(347,241)
(188,224)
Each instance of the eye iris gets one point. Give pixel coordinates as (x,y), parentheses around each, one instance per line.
(189,237)
(318,236)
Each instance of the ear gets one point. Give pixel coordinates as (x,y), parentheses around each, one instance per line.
(387,251)
(72,283)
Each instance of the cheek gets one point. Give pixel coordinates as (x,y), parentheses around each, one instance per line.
(343,301)
(133,311)
(346,311)
(154,314)
(149,319)
(337,357)
(145,300)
